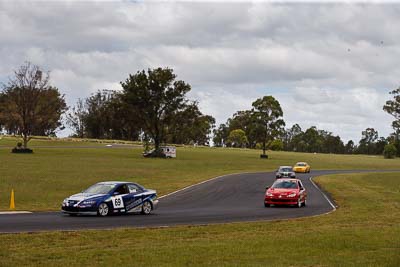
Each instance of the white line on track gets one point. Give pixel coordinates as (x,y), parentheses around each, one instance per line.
(14,212)
(327,199)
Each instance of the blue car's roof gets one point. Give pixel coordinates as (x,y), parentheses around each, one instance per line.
(115,182)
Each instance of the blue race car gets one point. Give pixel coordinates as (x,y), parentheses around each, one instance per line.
(107,198)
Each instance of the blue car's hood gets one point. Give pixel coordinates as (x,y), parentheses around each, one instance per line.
(83,196)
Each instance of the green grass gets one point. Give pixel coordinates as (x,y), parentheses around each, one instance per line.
(364,231)
(37,141)
(43,179)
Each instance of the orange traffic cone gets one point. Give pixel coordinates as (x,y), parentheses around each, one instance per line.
(12,200)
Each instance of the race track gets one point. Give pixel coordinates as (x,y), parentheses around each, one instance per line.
(231,198)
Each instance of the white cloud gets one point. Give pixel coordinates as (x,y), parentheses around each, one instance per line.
(351,111)
(330,65)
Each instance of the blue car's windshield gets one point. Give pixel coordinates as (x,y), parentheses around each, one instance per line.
(100,189)
(285,184)
(286,170)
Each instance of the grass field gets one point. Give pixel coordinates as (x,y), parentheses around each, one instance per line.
(43,179)
(364,231)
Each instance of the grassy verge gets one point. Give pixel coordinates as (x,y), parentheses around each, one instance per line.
(364,231)
(11,141)
(43,179)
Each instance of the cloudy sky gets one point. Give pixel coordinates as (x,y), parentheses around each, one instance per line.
(330,65)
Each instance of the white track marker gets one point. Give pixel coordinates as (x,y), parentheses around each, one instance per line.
(14,212)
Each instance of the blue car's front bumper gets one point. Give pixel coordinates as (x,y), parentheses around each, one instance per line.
(78,210)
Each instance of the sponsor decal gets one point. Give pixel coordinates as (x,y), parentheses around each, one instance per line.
(134,204)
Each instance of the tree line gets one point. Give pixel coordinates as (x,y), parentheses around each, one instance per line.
(152,107)
(241,131)
(236,133)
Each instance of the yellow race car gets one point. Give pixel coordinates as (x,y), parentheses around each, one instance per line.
(302,167)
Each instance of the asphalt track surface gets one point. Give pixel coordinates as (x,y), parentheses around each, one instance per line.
(230,198)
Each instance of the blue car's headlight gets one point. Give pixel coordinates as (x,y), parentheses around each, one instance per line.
(87,203)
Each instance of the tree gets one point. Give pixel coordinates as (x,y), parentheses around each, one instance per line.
(367,142)
(313,140)
(390,151)
(393,108)
(154,97)
(76,118)
(292,137)
(333,144)
(30,105)
(190,126)
(276,145)
(267,116)
(394,140)
(104,115)
(349,147)
(380,145)
(237,138)
(97,121)
(244,120)
(221,135)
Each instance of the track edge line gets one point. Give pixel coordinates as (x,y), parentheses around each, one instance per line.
(323,194)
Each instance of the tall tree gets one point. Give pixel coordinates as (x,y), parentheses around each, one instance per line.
(349,147)
(367,142)
(76,118)
(380,145)
(97,121)
(267,115)
(244,120)
(393,108)
(333,144)
(30,105)
(313,140)
(106,116)
(221,135)
(156,95)
(190,126)
(292,138)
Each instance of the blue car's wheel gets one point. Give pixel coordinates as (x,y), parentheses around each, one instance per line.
(146,208)
(103,209)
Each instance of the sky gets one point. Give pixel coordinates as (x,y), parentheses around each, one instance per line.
(330,65)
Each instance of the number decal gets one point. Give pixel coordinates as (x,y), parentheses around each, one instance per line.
(118,202)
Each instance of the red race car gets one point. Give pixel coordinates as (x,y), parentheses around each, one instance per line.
(286,192)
